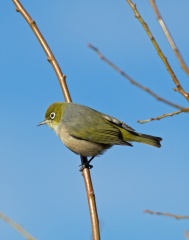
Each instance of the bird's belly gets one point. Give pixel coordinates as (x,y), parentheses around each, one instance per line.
(81,147)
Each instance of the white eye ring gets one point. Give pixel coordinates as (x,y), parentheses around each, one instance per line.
(52,115)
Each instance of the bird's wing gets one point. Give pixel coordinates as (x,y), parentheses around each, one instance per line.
(103,133)
(118,123)
(87,124)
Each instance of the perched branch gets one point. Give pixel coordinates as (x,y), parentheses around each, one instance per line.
(159,51)
(131,80)
(178,217)
(164,115)
(91,202)
(17,227)
(62,81)
(169,38)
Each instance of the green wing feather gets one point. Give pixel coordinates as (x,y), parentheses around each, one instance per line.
(104,132)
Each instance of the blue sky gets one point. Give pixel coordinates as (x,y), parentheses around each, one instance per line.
(41,186)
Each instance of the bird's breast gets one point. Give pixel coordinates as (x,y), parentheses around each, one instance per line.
(79,146)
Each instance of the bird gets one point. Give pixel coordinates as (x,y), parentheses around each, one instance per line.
(90,133)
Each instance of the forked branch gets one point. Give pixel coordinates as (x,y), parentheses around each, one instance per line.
(178,88)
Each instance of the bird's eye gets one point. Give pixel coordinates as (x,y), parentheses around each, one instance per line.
(52,115)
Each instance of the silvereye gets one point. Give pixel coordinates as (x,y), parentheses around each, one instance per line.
(88,132)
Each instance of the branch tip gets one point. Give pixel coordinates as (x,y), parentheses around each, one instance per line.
(164,115)
(177,217)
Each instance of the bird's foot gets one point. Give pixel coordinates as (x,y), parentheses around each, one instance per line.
(86,165)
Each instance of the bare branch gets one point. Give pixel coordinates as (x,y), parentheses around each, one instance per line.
(164,115)
(159,51)
(178,217)
(62,81)
(16,226)
(131,80)
(169,38)
(50,56)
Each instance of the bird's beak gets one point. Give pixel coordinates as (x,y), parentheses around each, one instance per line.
(43,122)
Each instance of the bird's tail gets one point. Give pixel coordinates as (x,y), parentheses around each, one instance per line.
(147,139)
(131,136)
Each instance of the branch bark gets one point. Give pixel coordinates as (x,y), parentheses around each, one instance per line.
(63,85)
(169,38)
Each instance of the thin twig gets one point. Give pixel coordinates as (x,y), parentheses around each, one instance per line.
(159,51)
(164,115)
(131,80)
(178,217)
(169,38)
(62,81)
(16,226)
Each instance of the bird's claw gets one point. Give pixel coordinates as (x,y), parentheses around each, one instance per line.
(85,165)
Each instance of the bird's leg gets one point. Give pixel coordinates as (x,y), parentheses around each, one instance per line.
(90,160)
(85,163)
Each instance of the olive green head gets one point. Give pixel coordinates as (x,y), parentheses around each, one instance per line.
(54,115)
